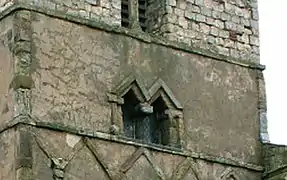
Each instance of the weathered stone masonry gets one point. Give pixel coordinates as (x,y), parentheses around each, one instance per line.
(61,118)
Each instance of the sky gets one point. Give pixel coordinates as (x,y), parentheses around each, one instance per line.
(273,39)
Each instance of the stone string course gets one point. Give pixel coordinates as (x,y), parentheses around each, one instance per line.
(30,121)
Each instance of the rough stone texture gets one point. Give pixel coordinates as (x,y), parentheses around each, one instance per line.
(56,94)
(77,66)
(4,4)
(106,11)
(7,155)
(227,27)
(6,72)
(275,157)
(106,160)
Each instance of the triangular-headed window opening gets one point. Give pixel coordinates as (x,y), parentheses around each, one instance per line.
(136,117)
(129,113)
(160,122)
(151,116)
(160,88)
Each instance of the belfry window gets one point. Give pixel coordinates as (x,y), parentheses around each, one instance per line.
(151,116)
(160,123)
(134,14)
(125,13)
(142,7)
(137,118)
(143,122)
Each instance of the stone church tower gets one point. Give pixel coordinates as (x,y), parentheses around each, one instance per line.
(133,90)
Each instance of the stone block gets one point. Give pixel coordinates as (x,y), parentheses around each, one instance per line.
(244,38)
(183,22)
(199,2)
(204,28)
(235,19)
(211,40)
(189,15)
(223,51)
(93,2)
(200,18)
(229,8)
(195,9)
(182,5)
(215,14)
(171,2)
(220,41)
(219,24)
(170,18)
(223,34)
(234,53)
(178,12)
(225,16)
(206,11)
(254,40)
(210,21)
(229,43)
(214,31)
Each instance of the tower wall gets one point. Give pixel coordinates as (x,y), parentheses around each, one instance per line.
(229,28)
(67,61)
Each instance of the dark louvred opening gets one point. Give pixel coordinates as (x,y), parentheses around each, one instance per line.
(142,6)
(125,13)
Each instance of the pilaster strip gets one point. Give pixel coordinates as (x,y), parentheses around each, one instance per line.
(21,84)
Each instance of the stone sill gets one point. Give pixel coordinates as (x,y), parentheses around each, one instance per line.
(28,120)
(145,37)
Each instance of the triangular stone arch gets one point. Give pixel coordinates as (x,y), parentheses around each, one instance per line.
(132,82)
(186,167)
(159,88)
(135,157)
(229,174)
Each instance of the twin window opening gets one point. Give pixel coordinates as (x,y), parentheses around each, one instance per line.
(149,124)
(126,13)
(152,116)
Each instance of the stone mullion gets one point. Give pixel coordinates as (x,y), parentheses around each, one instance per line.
(134,15)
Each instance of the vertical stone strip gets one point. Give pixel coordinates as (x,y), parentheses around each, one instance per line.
(262,107)
(117,126)
(22,84)
(175,127)
(134,15)
(24,154)
(21,49)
